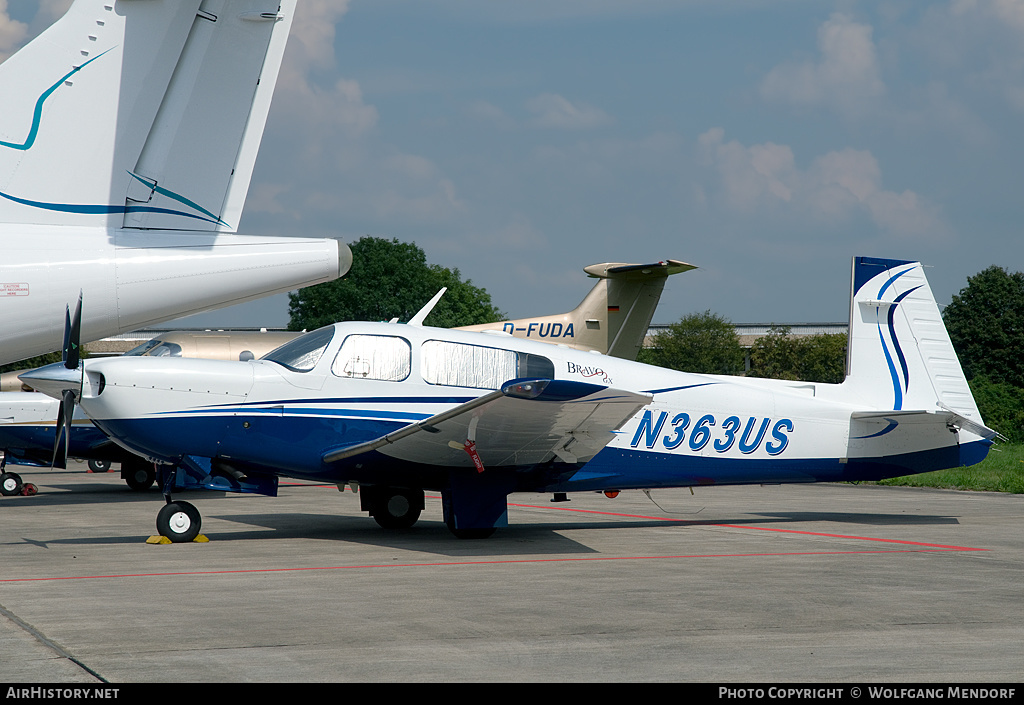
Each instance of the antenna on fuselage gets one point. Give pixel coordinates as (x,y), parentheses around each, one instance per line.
(418,319)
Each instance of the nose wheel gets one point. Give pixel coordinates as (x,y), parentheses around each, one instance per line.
(179,521)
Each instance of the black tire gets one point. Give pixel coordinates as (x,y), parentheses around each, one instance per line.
(10,484)
(99,465)
(397,509)
(179,521)
(139,476)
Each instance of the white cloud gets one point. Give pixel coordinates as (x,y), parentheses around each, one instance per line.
(12,32)
(553,110)
(836,187)
(490,113)
(329,162)
(845,78)
(967,32)
(310,106)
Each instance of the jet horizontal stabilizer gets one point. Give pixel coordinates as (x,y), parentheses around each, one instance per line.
(664,268)
(527,421)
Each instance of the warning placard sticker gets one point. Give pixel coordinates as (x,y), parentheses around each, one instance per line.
(13,288)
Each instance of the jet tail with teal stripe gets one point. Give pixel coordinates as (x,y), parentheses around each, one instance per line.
(128,136)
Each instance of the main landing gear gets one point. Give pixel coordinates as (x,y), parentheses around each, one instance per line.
(138,474)
(391,507)
(400,507)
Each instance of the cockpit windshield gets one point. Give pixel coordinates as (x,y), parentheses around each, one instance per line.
(302,354)
(156,348)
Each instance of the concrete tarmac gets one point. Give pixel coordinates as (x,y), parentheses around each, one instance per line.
(794,583)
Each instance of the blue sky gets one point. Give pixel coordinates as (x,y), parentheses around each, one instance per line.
(766,142)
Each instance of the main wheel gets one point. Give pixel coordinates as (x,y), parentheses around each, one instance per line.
(10,484)
(179,521)
(397,509)
(139,476)
(99,465)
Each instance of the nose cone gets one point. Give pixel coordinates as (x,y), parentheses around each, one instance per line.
(152,386)
(53,380)
(164,408)
(344,258)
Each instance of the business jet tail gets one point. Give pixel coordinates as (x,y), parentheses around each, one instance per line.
(612,319)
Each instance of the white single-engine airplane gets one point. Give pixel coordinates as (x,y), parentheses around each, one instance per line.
(613,318)
(397,409)
(128,135)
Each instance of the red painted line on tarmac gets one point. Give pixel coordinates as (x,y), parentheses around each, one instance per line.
(759,528)
(913,547)
(442,564)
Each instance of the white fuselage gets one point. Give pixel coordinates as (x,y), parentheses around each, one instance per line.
(697,428)
(129,279)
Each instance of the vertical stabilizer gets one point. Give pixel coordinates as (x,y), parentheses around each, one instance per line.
(612,319)
(900,355)
(139,114)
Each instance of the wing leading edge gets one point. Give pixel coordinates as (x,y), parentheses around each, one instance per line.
(527,421)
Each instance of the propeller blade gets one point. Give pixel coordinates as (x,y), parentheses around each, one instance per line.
(73,337)
(65,413)
(67,334)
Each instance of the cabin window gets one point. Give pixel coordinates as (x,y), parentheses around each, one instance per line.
(458,365)
(379,357)
(302,354)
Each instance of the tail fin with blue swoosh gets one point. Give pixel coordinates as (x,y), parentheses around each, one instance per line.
(900,356)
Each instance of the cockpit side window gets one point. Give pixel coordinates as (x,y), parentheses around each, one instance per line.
(302,354)
(380,357)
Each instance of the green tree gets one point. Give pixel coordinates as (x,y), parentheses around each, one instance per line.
(704,343)
(1001,406)
(814,358)
(986,325)
(391,279)
(774,355)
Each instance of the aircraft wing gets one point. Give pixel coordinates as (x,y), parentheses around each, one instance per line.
(945,416)
(527,421)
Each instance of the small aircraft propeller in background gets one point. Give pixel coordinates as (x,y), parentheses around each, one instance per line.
(71,355)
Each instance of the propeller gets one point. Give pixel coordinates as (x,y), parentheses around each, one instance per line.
(71,355)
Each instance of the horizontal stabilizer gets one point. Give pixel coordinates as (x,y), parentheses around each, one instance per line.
(945,417)
(665,268)
(527,421)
